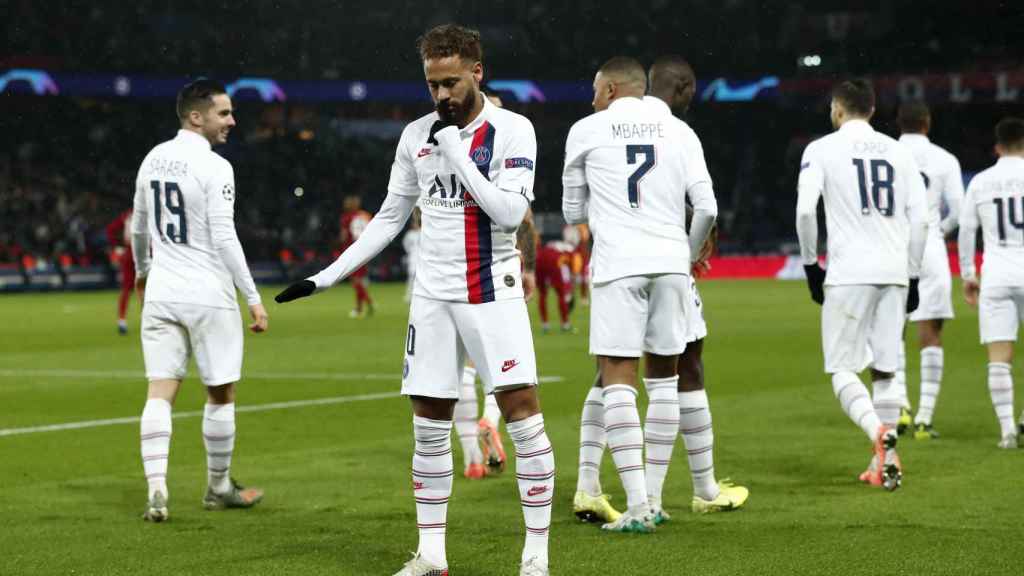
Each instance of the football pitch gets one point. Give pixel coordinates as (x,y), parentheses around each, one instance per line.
(329,439)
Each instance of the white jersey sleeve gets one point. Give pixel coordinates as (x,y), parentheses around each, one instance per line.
(810,185)
(140,232)
(404,181)
(952,195)
(220,213)
(967,237)
(517,174)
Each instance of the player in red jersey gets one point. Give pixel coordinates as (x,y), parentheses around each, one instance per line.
(353,221)
(553,261)
(119,240)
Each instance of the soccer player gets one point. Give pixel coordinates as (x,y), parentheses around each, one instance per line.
(352,224)
(184,210)
(553,260)
(628,171)
(944,183)
(472,166)
(876,217)
(671,85)
(119,239)
(995,203)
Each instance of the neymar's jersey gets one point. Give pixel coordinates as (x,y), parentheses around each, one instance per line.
(995,202)
(873,192)
(942,179)
(462,255)
(638,163)
(183,190)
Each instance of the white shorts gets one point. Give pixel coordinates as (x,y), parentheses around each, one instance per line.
(637,314)
(171,332)
(696,329)
(496,336)
(854,318)
(936,286)
(1000,311)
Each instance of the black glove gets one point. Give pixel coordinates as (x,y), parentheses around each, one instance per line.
(913,296)
(296,291)
(815,281)
(438,125)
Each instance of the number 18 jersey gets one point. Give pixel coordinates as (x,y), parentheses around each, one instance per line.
(181,184)
(873,192)
(638,163)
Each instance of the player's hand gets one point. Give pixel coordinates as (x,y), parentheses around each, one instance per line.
(259,318)
(297,290)
(815,281)
(449,141)
(529,284)
(971,290)
(913,295)
(700,268)
(436,127)
(140,288)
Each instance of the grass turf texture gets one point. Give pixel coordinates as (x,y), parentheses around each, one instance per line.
(337,476)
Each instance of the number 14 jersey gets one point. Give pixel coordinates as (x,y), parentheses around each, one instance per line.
(873,192)
(638,163)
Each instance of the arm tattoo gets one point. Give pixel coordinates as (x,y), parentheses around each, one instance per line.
(526,240)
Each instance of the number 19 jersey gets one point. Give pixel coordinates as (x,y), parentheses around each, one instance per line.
(638,162)
(873,192)
(181,184)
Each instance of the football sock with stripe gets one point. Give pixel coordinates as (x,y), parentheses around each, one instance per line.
(1000,387)
(856,402)
(432,485)
(535,473)
(887,401)
(699,437)
(466,419)
(901,376)
(491,411)
(626,442)
(155,432)
(931,382)
(660,428)
(219,439)
(592,443)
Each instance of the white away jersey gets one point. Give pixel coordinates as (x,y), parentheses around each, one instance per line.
(181,185)
(995,201)
(873,193)
(463,256)
(942,180)
(638,163)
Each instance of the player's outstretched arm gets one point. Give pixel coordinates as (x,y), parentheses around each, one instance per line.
(506,209)
(299,289)
(384,228)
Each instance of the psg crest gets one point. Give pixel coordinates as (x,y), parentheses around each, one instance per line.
(481,155)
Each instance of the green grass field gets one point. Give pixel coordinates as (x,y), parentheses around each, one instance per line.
(337,475)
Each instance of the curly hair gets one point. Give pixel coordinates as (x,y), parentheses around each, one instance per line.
(451,40)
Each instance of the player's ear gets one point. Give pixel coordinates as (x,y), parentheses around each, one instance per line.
(195,118)
(478,72)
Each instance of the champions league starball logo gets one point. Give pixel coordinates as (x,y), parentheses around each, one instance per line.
(228,192)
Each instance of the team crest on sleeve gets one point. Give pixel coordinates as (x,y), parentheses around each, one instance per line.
(228,192)
(481,155)
(519,163)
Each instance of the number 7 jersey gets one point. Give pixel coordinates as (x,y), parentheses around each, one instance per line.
(183,192)
(638,162)
(873,193)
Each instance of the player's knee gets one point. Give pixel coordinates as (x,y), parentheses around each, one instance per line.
(222,394)
(517,403)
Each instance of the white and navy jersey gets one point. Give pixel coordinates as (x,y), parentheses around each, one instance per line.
(995,202)
(184,191)
(873,194)
(942,179)
(463,256)
(637,162)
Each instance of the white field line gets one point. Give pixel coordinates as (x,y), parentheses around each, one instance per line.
(195,413)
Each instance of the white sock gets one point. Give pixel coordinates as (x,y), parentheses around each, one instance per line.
(1000,387)
(491,411)
(466,419)
(901,376)
(219,438)
(155,432)
(432,485)
(699,437)
(626,442)
(931,381)
(886,401)
(535,473)
(855,401)
(592,443)
(660,428)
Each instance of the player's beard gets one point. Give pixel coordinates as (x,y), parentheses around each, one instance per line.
(457,112)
